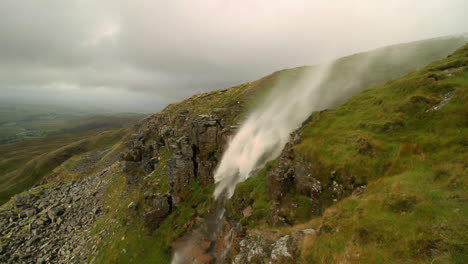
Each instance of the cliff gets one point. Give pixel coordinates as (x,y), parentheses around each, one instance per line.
(377,178)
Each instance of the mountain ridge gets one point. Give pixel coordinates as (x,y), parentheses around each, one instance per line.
(161,187)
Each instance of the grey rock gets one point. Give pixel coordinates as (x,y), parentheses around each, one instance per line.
(21,201)
(42,205)
(132,205)
(53,213)
(162,207)
(49,226)
(30,212)
(183,112)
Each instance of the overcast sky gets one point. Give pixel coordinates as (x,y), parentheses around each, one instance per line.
(140,55)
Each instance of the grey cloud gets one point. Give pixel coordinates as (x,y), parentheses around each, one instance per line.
(166,50)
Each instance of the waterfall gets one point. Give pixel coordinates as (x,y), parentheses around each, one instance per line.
(265,132)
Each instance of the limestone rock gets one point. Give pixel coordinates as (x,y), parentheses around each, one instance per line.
(162,207)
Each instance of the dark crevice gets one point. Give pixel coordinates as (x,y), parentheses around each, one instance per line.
(194,160)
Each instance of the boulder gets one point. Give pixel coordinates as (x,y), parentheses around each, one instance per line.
(54,212)
(161,207)
(267,248)
(304,183)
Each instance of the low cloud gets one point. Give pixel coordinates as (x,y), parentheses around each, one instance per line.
(146,54)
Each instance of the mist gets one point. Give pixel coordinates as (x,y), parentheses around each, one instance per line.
(142,55)
(102,99)
(264,134)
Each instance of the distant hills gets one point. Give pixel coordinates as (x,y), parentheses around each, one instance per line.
(22,121)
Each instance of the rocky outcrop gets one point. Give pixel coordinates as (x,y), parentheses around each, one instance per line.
(181,169)
(195,144)
(51,225)
(206,137)
(321,185)
(269,247)
(160,206)
(192,146)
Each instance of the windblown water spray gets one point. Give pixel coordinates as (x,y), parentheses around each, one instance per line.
(264,134)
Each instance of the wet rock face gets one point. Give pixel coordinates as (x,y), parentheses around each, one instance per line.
(51,225)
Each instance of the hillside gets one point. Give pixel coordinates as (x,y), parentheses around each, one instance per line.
(394,156)
(380,178)
(24,164)
(21,121)
(34,139)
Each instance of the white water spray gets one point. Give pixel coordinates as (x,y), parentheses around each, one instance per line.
(265,132)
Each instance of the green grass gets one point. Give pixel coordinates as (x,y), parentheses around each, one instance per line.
(406,218)
(159,176)
(251,193)
(413,209)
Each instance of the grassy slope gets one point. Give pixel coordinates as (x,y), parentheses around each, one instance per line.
(413,210)
(24,164)
(125,241)
(42,137)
